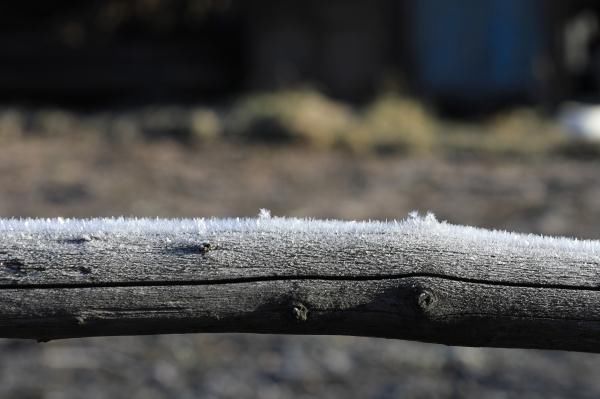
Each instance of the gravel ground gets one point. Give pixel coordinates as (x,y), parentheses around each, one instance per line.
(65,177)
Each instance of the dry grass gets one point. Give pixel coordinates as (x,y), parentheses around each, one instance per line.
(291,116)
(520,132)
(395,125)
(390,124)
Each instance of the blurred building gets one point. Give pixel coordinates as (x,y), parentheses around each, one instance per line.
(470,51)
(459,54)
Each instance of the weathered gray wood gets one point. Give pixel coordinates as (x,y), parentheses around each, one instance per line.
(415,279)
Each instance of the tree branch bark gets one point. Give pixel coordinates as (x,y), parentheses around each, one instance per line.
(416,279)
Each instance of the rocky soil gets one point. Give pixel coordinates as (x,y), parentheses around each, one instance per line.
(67,177)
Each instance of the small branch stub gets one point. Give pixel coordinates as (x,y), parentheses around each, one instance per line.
(300,312)
(205,247)
(426,300)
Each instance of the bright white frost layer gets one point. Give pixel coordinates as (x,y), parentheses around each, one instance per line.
(414,225)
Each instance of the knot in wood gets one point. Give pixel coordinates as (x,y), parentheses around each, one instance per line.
(426,299)
(14,266)
(300,312)
(205,247)
(84,269)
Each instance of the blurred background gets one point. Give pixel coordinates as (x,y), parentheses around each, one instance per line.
(482,111)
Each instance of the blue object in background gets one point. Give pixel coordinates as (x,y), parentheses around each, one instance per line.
(477,50)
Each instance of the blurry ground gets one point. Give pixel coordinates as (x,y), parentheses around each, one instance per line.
(85,176)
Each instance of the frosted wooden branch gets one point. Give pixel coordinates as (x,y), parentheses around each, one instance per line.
(415,279)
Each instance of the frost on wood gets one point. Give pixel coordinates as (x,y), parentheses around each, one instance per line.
(414,226)
(117,249)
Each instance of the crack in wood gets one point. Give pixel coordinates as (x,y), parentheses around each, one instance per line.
(258,279)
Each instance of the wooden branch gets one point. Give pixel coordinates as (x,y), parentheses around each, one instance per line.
(417,279)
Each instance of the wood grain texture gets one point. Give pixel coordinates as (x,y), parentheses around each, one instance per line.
(417,279)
